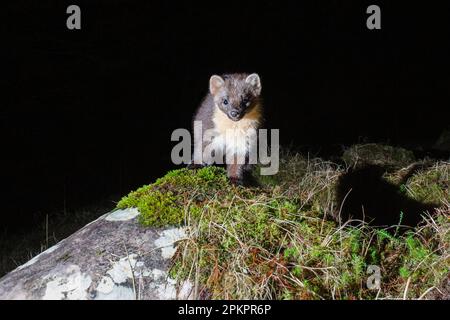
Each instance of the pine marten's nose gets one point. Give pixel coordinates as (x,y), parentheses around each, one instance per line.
(234,114)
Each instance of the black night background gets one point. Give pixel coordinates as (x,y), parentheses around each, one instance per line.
(86,115)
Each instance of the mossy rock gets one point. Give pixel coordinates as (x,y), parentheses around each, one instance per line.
(275,241)
(377,154)
(164,202)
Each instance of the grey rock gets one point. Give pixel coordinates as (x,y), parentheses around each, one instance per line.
(112,257)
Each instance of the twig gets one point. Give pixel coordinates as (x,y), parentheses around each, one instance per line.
(426,292)
(406,288)
(132,271)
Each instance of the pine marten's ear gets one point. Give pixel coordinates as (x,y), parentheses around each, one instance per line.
(255,82)
(215,83)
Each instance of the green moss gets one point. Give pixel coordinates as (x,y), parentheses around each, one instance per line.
(404,272)
(164,202)
(291,253)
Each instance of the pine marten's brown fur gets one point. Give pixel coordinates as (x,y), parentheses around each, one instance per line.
(232,105)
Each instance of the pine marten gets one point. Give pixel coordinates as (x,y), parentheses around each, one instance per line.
(230,115)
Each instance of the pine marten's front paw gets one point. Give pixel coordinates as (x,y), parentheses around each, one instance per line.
(193,166)
(237,181)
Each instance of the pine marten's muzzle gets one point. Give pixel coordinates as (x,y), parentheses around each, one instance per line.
(235,115)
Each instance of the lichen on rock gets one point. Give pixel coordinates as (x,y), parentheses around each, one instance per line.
(113,257)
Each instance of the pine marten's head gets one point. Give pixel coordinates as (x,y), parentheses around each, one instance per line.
(236,94)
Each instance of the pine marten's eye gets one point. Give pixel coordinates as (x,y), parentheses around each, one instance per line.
(225,101)
(246,102)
